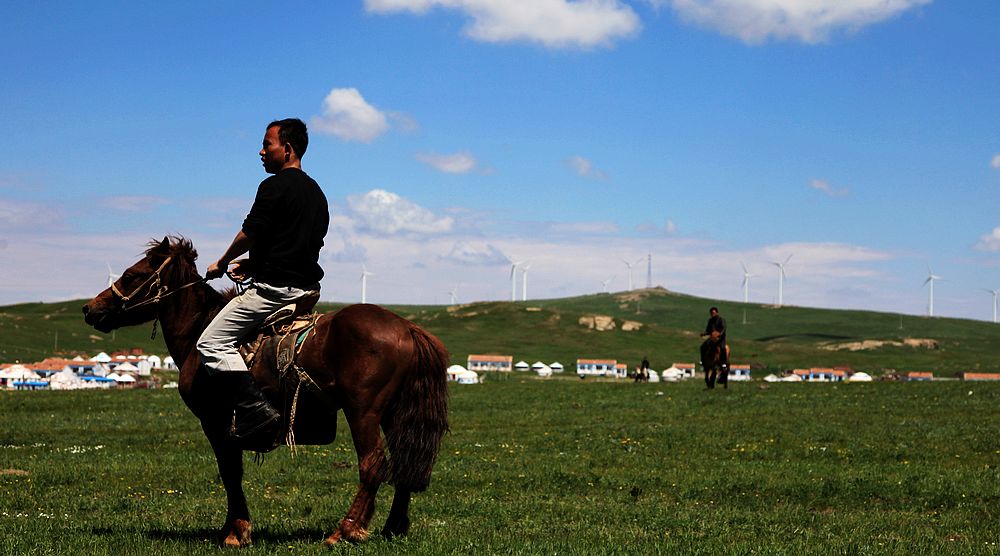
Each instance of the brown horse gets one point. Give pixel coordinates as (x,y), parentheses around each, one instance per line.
(380,369)
(714,370)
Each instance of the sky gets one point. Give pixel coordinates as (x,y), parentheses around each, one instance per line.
(858,140)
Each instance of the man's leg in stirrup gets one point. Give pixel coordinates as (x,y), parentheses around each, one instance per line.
(217,346)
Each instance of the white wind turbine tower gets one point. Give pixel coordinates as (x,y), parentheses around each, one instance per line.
(453,293)
(604,284)
(746,290)
(629,265)
(931,277)
(995,294)
(524,282)
(111,275)
(513,278)
(746,283)
(364,283)
(781,280)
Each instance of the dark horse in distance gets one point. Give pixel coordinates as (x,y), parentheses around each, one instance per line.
(381,370)
(715,371)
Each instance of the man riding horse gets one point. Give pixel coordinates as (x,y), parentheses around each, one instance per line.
(283,233)
(715,331)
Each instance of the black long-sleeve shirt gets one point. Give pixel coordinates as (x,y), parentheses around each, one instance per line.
(287,223)
(717,324)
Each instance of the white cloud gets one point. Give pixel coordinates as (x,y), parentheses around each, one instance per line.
(670,227)
(384,212)
(553,23)
(585,168)
(458,163)
(348,116)
(990,241)
(18,215)
(809,21)
(825,187)
(475,254)
(995,163)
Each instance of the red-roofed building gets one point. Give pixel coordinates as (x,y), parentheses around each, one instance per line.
(917,376)
(980,377)
(596,367)
(501,363)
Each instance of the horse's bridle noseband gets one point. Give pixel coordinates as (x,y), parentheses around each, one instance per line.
(150,284)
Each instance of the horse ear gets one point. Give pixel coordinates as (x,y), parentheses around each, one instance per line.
(165,244)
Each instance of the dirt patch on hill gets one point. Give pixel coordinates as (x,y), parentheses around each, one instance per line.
(865,345)
(15,472)
(600,323)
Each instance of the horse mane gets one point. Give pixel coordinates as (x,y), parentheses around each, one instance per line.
(182,251)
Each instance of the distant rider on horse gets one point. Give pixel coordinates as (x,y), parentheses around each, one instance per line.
(283,233)
(715,331)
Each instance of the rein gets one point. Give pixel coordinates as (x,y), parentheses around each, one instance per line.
(151,283)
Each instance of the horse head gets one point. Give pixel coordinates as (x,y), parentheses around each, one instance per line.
(134,297)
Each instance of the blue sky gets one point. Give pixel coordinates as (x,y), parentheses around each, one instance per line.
(859,137)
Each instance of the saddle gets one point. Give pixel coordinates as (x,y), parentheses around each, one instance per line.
(288,327)
(282,335)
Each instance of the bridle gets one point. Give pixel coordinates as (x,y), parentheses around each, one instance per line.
(154,287)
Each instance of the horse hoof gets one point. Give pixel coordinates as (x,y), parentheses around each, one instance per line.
(239,534)
(354,535)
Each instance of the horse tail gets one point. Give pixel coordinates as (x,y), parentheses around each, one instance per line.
(419,419)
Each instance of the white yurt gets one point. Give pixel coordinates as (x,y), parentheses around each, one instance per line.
(17,372)
(792,378)
(168,364)
(468,377)
(454,371)
(65,380)
(114,376)
(125,379)
(556,367)
(126,367)
(521,366)
(653,377)
(101,358)
(671,375)
(860,377)
(542,369)
(772,378)
(154,361)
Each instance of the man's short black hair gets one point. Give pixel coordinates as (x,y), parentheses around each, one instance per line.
(292,131)
(716,309)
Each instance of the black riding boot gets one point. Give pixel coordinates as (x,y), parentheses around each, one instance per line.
(255,422)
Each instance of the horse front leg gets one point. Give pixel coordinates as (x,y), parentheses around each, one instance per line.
(371,473)
(236,530)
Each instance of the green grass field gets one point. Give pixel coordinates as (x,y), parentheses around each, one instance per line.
(537,467)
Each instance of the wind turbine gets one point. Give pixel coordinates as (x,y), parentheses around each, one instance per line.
(524,282)
(931,277)
(746,290)
(452,293)
(604,284)
(781,280)
(629,265)
(746,283)
(513,278)
(111,275)
(364,283)
(995,294)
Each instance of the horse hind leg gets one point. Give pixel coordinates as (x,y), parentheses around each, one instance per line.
(371,471)
(398,522)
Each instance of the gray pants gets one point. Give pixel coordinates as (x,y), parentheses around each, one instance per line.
(218,344)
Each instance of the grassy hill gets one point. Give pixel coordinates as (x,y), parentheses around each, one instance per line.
(549,330)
